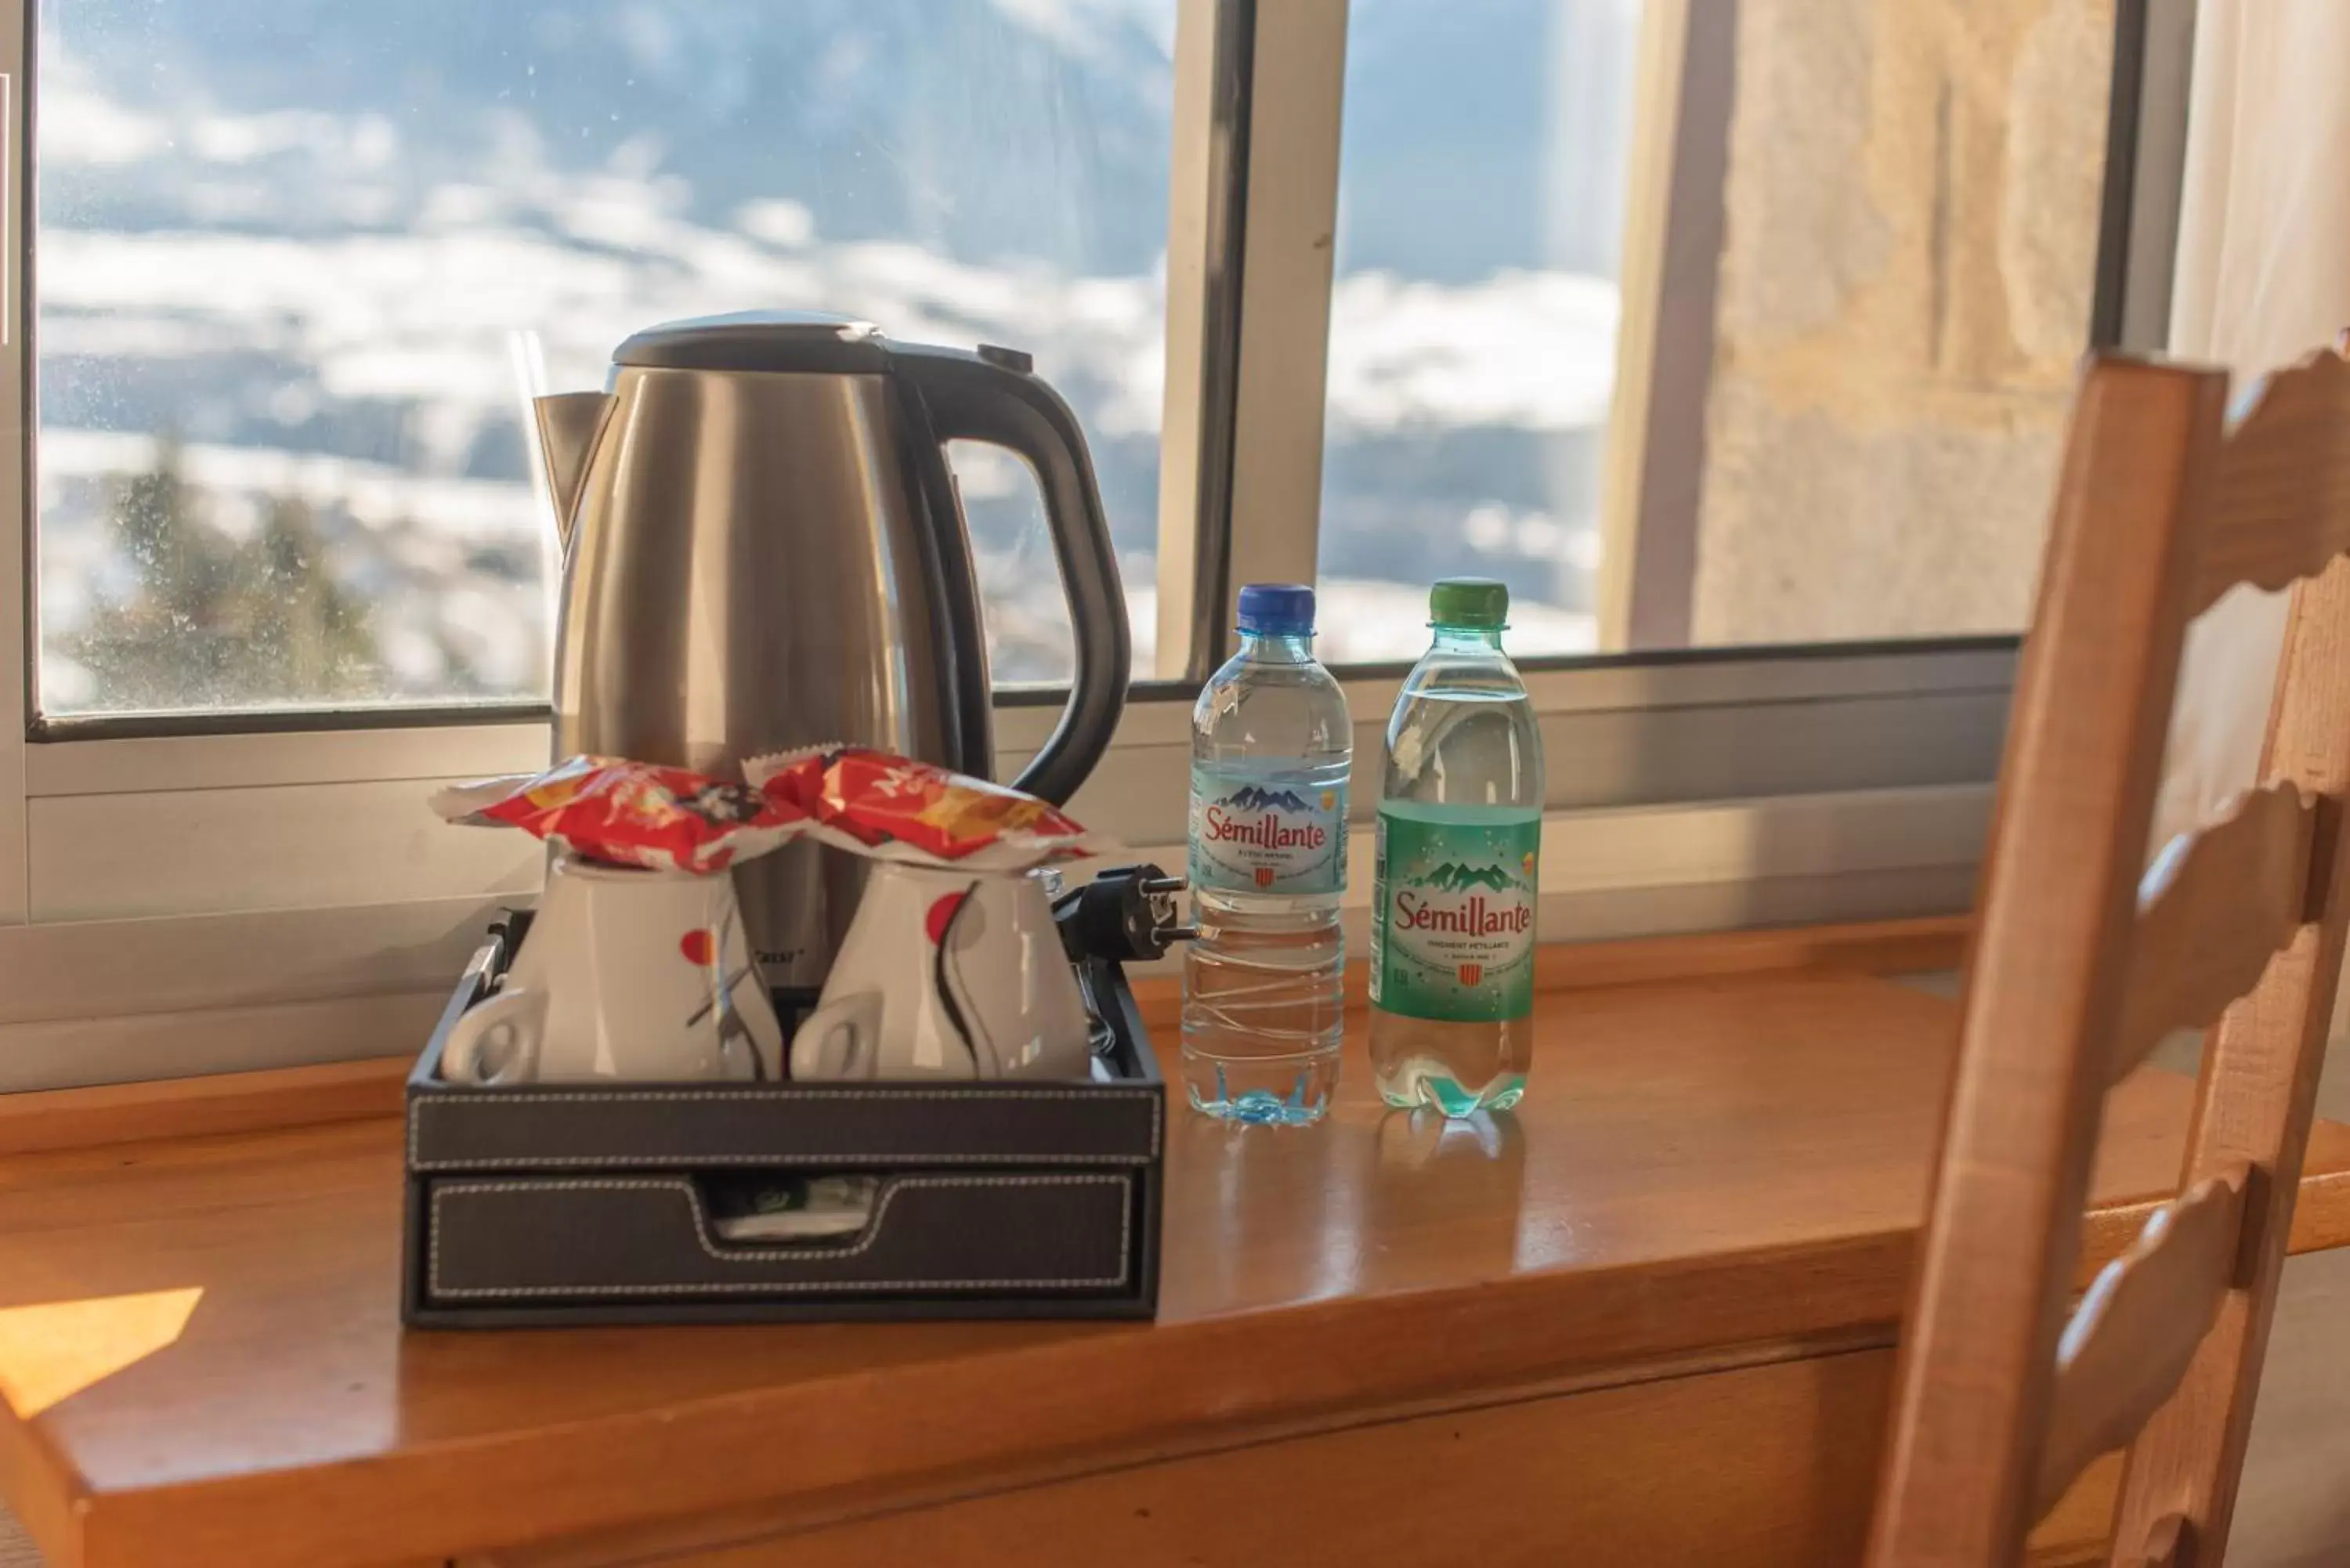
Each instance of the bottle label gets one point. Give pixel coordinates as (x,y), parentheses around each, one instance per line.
(1255,834)
(1452,912)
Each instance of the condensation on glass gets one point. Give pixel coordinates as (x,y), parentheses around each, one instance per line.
(1472,315)
(299,262)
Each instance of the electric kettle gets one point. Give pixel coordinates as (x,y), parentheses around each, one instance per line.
(763,548)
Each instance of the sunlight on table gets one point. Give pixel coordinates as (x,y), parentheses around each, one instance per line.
(51,1351)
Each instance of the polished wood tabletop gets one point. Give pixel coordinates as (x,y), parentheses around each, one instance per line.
(202,1362)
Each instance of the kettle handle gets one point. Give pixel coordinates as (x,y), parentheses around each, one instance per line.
(991,397)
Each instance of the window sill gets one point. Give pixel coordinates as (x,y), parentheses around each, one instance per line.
(1708,1175)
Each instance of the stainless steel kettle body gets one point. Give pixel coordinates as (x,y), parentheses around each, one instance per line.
(764,550)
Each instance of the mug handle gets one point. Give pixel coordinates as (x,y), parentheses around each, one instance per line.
(817,1054)
(521,1013)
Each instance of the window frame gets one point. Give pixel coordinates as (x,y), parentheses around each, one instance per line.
(1690,791)
(16,627)
(2146,173)
(1755,755)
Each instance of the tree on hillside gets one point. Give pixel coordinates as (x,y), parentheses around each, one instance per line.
(213,621)
(315,631)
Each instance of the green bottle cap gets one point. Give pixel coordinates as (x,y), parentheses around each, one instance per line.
(1479,603)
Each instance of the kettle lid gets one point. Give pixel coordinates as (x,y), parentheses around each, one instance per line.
(775,341)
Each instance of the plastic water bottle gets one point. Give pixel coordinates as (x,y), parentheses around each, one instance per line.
(1264,983)
(1458,867)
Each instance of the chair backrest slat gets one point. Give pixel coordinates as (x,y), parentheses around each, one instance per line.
(2134,1333)
(2162,503)
(2259,1094)
(2214,909)
(2281,507)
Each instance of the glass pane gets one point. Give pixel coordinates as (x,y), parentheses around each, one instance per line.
(1472,316)
(1029,640)
(1909,205)
(300,261)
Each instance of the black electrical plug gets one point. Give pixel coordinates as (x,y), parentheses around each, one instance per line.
(1125,915)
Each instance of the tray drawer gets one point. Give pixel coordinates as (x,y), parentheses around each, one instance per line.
(559,1239)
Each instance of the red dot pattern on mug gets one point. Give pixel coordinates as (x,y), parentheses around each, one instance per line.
(699,945)
(935,922)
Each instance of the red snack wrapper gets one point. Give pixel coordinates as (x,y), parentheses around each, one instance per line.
(631,813)
(890,807)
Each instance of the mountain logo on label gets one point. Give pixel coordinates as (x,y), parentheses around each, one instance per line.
(1250,797)
(1454,877)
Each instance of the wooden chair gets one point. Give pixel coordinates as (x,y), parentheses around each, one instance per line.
(2168,498)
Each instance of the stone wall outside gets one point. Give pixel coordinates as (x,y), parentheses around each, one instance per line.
(1903,296)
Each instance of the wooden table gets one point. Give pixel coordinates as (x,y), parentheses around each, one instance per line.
(1644,1322)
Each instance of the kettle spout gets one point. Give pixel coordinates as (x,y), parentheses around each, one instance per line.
(568,423)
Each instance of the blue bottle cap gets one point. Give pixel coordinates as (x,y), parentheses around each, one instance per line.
(1277,609)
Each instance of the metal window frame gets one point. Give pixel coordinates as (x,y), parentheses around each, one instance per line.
(2146,168)
(1653,468)
(1759,753)
(1207,232)
(1704,789)
(16,629)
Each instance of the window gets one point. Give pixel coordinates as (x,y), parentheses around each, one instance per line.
(1473,313)
(1872,257)
(1706,327)
(288,315)
(290,303)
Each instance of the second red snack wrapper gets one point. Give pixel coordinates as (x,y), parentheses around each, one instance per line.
(894,808)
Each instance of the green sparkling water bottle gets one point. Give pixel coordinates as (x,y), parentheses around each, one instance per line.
(1459,867)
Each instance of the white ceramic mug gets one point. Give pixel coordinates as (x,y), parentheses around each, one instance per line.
(948,975)
(625,976)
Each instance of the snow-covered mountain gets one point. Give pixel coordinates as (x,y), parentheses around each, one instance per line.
(327,249)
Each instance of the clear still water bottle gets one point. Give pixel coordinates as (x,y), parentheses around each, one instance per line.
(1264,983)
(1459,864)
